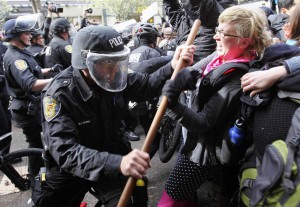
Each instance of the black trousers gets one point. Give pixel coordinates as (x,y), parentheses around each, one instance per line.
(5,127)
(65,190)
(32,128)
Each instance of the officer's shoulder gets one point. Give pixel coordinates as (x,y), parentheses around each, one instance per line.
(61,81)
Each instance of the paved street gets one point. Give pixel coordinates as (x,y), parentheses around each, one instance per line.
(156,175)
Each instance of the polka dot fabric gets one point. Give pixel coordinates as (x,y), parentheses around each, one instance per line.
(186,177)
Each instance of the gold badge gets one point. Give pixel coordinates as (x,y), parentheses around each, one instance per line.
(68,48)
(51,108)
(21,64)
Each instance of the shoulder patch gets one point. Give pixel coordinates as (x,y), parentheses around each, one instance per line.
(68,48)
(130,71)
(51,108)
(48,50)
(130,43)
(133,58)
(21,64)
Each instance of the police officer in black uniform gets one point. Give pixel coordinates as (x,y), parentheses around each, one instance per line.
(59,49)
(145,58)
(37,47)
(37,42)
(82,125)
(24,78)
(5,117)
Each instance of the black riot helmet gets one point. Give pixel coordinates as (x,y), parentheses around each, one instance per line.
(59,25)
(148,33)
(100,49)
(36,34)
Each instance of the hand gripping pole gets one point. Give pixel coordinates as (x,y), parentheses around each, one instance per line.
(127,192)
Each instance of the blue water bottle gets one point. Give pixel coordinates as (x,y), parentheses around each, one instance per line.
(237,132)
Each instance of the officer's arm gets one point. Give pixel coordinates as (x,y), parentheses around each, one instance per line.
(57,68)
(65,53)
(151,65)
(46,71)
(40,84)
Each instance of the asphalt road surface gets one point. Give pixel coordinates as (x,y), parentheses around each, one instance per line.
(157,176)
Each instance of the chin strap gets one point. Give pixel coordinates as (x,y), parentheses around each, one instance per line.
(21,41)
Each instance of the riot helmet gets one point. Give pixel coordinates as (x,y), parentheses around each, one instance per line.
(147,32)
(27,23)
(100,49)
(36,34)
(37,38)
(59,26)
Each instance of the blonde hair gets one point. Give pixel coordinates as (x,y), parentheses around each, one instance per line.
(249,24)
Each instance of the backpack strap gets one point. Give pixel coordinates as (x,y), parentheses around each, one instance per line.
(293,143)
(222,69)
(217,78)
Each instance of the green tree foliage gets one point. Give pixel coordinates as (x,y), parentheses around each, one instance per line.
(3,11)
(123,9)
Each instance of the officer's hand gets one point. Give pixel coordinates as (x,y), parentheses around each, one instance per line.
(186,53)
(57,68)
(135,164)
(185,80)
(171,92)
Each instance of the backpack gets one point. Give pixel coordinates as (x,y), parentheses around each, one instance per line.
(276,180)
(209,85)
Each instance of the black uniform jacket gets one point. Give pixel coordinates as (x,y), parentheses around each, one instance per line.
(146,59)
(82,123)
(21,72)
(59,51)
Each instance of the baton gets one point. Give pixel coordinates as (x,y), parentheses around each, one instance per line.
(127,192)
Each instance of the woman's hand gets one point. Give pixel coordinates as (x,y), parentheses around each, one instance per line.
(186,53)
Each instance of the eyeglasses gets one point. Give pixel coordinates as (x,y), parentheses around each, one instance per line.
(222,34)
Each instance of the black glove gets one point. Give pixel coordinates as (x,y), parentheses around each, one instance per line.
(57,68)
(185,80)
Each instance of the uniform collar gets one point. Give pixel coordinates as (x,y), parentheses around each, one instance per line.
(85,91)
(25,51)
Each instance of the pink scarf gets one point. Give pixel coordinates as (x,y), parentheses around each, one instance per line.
(217,61)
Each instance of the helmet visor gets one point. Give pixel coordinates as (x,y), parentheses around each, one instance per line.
(72,31)
(30,22)
(109,70)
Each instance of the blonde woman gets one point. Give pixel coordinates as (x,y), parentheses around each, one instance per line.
(240,37)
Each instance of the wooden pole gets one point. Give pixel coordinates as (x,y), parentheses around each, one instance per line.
(127,192)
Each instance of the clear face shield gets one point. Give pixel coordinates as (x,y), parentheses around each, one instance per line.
(109,70)
(30,22)
(72,31)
